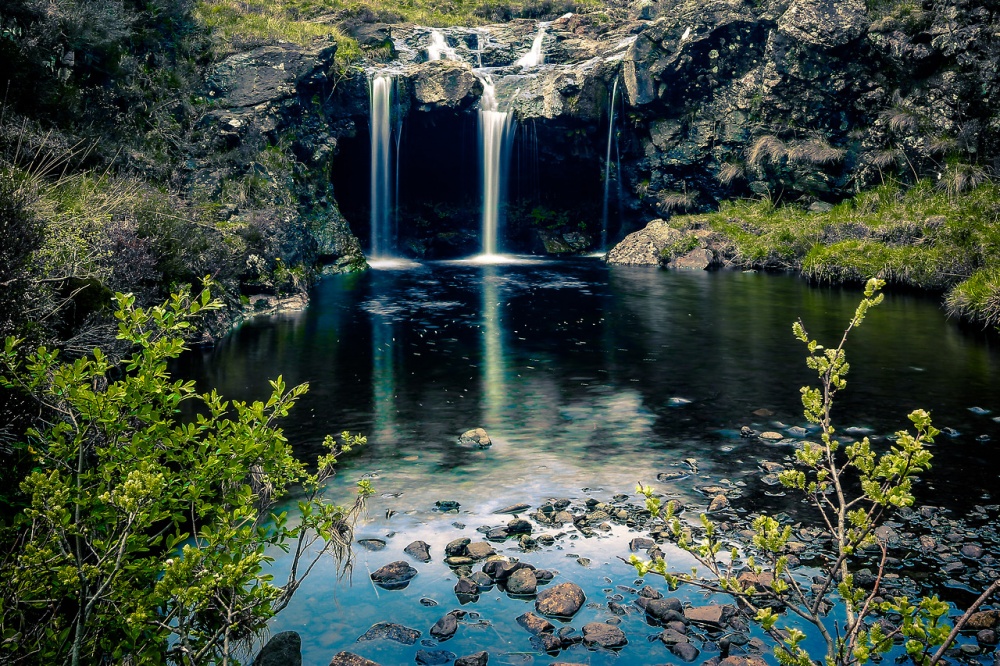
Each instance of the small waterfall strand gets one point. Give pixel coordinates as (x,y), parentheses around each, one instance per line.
(535,56)
(607,167)
(438,48)
(494,142)
(381,103)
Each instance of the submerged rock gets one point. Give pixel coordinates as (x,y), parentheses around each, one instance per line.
(434,657)
(390,631)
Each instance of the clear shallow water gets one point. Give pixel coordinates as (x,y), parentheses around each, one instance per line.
(588,379)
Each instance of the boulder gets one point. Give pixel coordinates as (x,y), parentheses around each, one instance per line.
(283,649)
(445,83)
(603,635)
(457,547)
(419,550)
(394,576)
(696,260)
(476,437)
(562,600)
(711,616)
(644,247)
(446,627)
(824,23)
(535,624)
(522,582)
(474,659)
(479,550)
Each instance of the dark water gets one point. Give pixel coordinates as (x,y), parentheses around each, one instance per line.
(588,379)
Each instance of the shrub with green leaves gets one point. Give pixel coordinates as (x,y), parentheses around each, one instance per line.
(145,538)
(853,488)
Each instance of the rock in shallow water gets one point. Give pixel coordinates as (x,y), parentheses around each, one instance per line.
(434,657)
(394,576)
(419,550)
(562,600)
(475,659)
(522,582)
(534,624)
(284,649)
(351,659)
(476,437)
(390,631)
(603,635)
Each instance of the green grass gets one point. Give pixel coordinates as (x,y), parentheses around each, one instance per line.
(243,22)
(925,237)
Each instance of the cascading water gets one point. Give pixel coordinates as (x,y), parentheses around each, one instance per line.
(494,149)
(607,167)
(438,48)
(534,57)
(381,168)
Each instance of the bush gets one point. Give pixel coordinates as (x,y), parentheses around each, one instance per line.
(144,538)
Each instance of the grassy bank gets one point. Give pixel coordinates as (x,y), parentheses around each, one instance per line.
(923,237)
(244,22)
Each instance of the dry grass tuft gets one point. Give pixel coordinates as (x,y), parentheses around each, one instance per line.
(767,148)
(671,202)
(730,172)
(815,151)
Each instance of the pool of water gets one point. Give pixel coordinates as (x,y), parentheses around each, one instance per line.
(588,379)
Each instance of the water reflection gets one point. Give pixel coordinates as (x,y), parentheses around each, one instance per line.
(587,376)
(588,380)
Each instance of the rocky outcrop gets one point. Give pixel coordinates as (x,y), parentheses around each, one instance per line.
(445,83)
(644,247)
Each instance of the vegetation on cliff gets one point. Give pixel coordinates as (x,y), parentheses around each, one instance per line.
(926,237)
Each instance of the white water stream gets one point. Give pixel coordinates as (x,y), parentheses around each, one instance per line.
(495,133)
(381,166)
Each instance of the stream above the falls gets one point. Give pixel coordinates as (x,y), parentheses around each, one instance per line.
(588,379)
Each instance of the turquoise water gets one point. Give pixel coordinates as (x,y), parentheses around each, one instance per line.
(588,379)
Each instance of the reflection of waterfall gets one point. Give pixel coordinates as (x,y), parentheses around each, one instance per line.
(534,57)
(439,48)
(494,147)
(381,102)
(494,385)
(383,378)
(607,168)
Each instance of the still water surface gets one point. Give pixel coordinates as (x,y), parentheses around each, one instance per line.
(588,379)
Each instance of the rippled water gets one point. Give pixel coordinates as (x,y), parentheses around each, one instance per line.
(588,379)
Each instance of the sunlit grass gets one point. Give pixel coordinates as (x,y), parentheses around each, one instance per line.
(926,236)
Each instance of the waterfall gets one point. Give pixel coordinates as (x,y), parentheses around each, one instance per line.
(534,57)
(381,102)
(607,168)
(494,143)
(439,47)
